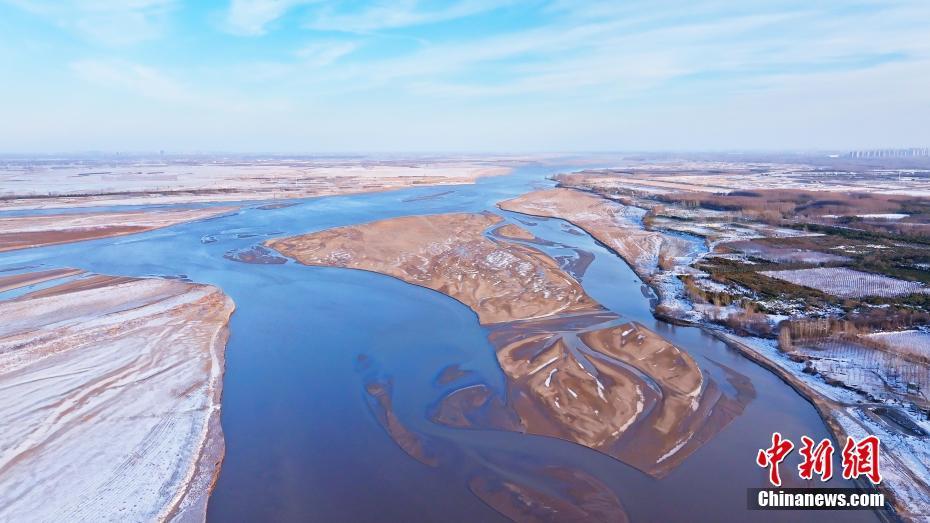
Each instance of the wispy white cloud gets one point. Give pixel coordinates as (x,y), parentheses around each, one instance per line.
(112,23)
(251,17)
(307,61)
(552,73)
(621,53)
(135,78)
(320,54)
(151,83)
(604,49)
(395,14)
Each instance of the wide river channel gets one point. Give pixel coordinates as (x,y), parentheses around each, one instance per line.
(302,440)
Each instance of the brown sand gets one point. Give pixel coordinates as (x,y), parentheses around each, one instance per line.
(606,221)
(586,379)
(476,406)
(581,498)
(451,373)
(573,373)
(512,232)
(8,283)
(381,403)
(22,232)
(500,281)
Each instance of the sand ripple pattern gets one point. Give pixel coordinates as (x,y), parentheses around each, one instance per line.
(109,400)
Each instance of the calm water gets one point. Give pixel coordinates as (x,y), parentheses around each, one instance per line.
(302,441)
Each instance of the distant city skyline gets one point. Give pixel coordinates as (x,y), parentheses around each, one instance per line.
(466,75)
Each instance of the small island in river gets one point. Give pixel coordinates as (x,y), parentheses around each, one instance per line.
(575,371)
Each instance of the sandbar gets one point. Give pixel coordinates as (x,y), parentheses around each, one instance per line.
(16,281)
(111,400)
(574,370)
(21,232)
(608,222)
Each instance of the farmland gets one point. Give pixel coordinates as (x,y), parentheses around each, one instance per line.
(782,240)
(848,283)
(820,273)
(911,343)
(877,374)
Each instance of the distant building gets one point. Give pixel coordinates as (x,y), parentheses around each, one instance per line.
(891,153)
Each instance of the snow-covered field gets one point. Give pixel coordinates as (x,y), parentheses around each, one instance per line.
(116,182)
(883,375)
(783,255)
(720,177)
(904,458)
(876,216)
(913,342)
(147,219)
(110,400)
(21,232)
(848,283)
(904,461)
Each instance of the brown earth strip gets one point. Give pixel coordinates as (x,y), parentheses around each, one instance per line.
(21,232)
(16,281)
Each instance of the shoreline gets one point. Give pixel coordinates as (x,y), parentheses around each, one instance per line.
(189,504)
(43,230)
(822,405)
(649,276)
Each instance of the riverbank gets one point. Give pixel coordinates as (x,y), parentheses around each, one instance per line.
(845,415)
(608,221)
(23,232)
(112,390)
(656,257)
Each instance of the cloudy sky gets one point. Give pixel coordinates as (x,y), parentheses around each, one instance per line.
(466,75)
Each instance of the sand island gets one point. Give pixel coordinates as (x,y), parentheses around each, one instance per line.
(22,232)
(118,375)
(575,371)
(610,223)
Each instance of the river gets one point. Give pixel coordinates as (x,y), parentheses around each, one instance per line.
(302,440)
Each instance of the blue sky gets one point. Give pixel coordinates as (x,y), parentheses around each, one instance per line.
(466,75)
